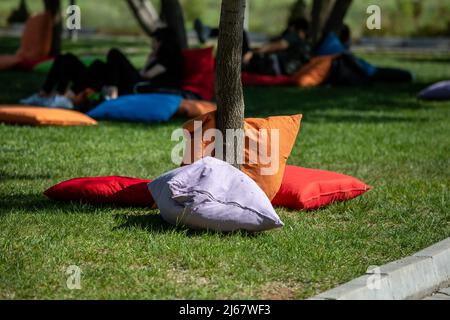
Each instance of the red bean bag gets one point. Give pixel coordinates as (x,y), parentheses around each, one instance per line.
(115,190)
(198,70)
(309,189)
(252,79)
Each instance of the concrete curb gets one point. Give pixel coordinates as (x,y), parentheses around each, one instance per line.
(413,277)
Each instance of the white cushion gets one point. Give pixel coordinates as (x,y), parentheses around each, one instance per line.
(211,194)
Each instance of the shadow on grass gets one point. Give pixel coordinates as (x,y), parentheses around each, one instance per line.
(21,176)
(314,102)
(32,203)
(155,224)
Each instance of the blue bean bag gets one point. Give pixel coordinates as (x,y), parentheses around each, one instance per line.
(331,45)
(437,91)
(152,107)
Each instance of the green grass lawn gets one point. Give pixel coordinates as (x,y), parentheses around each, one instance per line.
(379,134)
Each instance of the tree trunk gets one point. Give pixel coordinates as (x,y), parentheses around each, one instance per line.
(319,14)
(298,10)
(146,15)
(172,16)
(336,19)
(54,7)
(229,95)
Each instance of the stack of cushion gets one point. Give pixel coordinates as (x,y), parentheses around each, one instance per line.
(190,195)
(38,116)
(301,189)
(261,171)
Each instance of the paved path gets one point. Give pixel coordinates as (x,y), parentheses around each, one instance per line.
(443,294)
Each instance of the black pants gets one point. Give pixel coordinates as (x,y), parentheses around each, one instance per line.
(392,75)
(121,73)
(67,70)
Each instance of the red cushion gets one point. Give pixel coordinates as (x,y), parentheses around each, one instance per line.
(28,65)
(308,189)
(198,69)
(109,190)
(253,79)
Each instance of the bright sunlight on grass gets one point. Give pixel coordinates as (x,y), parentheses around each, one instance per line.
(380,134)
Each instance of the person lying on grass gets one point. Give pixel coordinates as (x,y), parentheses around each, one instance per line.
(283,55)
(69,82)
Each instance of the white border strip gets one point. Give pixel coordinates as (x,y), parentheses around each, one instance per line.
(413,277)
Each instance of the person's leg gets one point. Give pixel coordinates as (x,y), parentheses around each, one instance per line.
(391,75)
(53,76)
(71,70)
(121,73)
(95,76)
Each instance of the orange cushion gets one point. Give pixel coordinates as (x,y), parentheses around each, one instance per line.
(37,37)
(259,170)
(195,108)
(315,72)
(38,116)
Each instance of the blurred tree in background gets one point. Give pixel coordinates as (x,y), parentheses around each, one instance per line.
(19,15)
(399,17)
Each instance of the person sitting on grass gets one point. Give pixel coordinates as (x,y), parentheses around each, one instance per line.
(284,55)
(351,69)
(69,79)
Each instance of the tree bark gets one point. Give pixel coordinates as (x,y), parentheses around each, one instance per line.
(172,16)
(335,20)
(146,15)
(54,7)
(319,14)
(229,94)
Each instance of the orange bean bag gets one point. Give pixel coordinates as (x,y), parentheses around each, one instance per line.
(35,44)
(259,170)
(195,108)
(315,72)
(37,116)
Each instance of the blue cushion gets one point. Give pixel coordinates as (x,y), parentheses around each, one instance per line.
(331,45)
(138,108)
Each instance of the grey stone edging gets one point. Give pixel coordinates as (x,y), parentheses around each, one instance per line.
(413,277)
